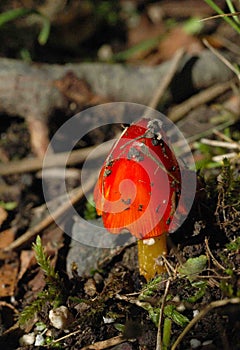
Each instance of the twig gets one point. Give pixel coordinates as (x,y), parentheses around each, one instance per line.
(166,80)
(219,16)
(220,143)
(228,44)
(105,343)
(54,160)
(29,234)
(66,336)
(178,112)
(225,138)
(222,58)
(159,332)
(10,306)
(213,258)
(222,156)
(202,313)
(209,131)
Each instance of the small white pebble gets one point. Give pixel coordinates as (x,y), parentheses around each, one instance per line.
(176,299)
(39,340)
(49,333)
(195,343)
(13,300)
(105,52)
(181,307)
(195,313)
(155,13)
(27,339)
(207,342)
(107,320)
(149,241)
(60,317)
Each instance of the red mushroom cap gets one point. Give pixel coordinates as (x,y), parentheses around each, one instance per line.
(139,184)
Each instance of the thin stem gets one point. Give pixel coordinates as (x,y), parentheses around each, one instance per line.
(220,12)
(202,313)
(232,10)
(160,342)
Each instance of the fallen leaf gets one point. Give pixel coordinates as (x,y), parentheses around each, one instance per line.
(6,237)
(27,259)
(3,215)
(37,283)
(176,39)
(8,278)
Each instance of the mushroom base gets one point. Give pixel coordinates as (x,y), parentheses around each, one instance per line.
(149,254)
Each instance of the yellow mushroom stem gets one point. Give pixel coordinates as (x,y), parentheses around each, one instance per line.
(149,252)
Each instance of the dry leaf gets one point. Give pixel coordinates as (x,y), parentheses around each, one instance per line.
(3,215)
(8,278)
(176,39)
(6,237)
(27,259)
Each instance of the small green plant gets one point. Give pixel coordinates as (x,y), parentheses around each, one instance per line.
(234,245)
(150,288)
(8,205)
(178,318)
(14,14)
(228,206)
(193,266)
(53,293)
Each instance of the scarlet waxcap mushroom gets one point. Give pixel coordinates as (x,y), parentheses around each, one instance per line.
(139,184)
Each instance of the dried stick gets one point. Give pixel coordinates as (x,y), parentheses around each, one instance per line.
(166,80)
(202,313)
(216,263)
(74,198)
(223,144)
(105,344)
(226,138)
(54,160)
(222,156)
(178,112)
(222,58)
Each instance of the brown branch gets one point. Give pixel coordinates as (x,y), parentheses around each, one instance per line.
(54,160)
(178,112)
(166,80)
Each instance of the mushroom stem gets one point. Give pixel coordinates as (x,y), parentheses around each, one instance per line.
(149,250)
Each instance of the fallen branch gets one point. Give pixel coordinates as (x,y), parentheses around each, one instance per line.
(30,90)
(164,83)
(178,112)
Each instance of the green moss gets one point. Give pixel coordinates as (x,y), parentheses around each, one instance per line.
(54,292)
(150,288)
(234,245)
(178,318)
